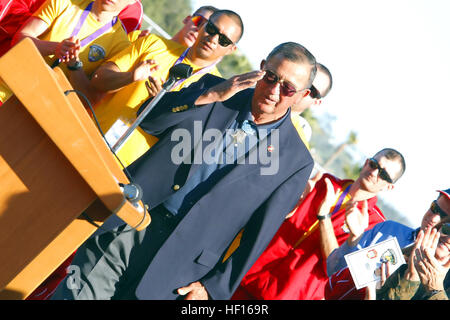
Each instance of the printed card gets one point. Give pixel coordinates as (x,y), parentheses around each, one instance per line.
(365,264)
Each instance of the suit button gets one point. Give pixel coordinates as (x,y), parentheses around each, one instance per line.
(176,187)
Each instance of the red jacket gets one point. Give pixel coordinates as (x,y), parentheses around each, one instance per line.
(283,272)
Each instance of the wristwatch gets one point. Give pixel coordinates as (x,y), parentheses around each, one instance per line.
(78,65)
(324,217)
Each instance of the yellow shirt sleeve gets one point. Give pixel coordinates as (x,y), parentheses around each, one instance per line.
(134,35)
(51,9)
(129,57)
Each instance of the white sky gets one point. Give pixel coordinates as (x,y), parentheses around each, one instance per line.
(391,71)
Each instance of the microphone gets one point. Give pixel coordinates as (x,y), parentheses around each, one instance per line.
(177,72)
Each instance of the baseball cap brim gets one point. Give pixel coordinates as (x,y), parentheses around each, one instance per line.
(445,193)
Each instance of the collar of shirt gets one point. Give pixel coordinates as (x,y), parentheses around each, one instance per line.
(245,122)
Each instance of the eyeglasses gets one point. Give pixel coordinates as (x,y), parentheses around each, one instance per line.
(315,94)
(212,30)
(437,210)
(382,173)
(286,88)
(198,20)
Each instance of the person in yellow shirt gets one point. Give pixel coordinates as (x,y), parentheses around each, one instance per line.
(77,35)
(150,58)
(189,32)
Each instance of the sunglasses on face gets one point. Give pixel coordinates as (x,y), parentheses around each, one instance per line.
(435,209)
(445,229)
(315,94)
(286,88)
(382,173)
(198,20)
(212,30)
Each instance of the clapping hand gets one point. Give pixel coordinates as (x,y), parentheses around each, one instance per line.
(430,271)
(357,221)
(68,49)
(144,70)
(329,200)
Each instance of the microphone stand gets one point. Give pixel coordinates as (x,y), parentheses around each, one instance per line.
(177,72)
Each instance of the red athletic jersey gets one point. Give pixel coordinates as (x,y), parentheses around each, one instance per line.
(340,286)
(283,272)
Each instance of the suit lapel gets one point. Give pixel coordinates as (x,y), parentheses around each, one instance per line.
(220,118)
(283,151)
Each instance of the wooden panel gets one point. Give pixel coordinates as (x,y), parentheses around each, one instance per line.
(54,165)
(43,195)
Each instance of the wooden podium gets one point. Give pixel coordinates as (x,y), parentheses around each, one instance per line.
(54,165)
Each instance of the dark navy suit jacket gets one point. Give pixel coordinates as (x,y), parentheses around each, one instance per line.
(243,199)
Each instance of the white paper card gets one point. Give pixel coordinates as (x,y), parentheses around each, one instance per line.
(365,264)
(115,132)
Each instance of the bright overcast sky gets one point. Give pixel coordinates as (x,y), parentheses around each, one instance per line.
(391,70)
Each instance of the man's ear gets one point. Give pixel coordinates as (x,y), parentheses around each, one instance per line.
(306,93)
(232,49)
(262,64)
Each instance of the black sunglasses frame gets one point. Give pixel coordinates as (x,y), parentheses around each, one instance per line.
(212,30)
(315,94)
(435,209)
(382,173)
(285,88)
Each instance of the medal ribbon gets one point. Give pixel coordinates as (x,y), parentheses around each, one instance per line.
(97,33)
(94,35)
(337,207)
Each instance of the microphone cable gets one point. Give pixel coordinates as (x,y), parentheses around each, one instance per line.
(135,197)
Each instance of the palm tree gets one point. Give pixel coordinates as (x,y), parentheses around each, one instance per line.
(352,139)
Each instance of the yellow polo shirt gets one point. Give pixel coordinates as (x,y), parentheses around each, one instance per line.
(118,111)
(62,16)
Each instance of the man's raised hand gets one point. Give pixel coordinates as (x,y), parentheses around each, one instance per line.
(225,90)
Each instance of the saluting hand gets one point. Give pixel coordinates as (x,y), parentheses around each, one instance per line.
(225,90)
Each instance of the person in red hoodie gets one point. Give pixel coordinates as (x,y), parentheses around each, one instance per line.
(293,266)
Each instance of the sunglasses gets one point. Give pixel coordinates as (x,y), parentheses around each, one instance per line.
(382,173)
(445,229)
(198,20)
(286,88)
(212,30)
(315,94)
(437,210)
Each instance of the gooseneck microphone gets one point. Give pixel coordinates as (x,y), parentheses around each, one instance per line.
(176,73)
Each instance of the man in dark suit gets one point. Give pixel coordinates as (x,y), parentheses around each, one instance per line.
(229,158)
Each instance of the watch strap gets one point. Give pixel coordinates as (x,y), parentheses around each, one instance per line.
(78,65)
(327,216)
